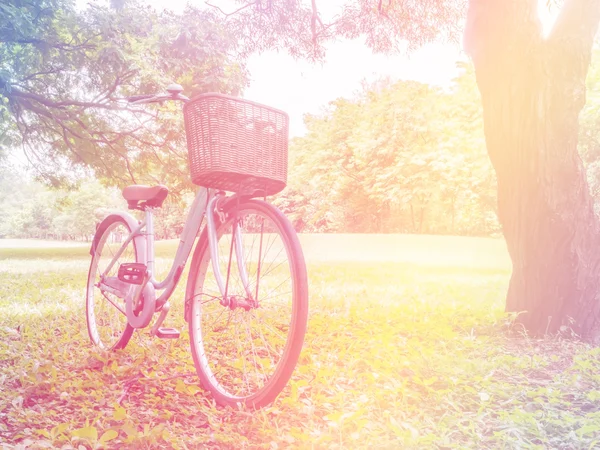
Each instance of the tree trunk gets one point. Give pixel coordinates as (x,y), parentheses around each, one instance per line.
(532,89)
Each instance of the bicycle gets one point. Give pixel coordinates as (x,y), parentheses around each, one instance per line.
(246,301)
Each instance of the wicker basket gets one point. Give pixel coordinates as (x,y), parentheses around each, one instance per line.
(236,145)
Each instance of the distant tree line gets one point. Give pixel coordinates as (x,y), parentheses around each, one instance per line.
(32,210)
(401,157)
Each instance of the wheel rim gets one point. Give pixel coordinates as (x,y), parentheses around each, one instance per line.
(106,322)
(241,351)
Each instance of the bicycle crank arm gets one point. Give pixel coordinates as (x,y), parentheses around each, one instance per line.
(160,332)
(160,320)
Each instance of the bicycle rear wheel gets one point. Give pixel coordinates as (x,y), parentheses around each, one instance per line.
(246,346)
(105,312)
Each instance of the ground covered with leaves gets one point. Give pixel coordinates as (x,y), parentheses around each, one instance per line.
(397,355)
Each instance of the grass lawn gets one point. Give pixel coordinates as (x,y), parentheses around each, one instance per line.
(407,347)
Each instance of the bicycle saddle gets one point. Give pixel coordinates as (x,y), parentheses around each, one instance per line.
(152,195)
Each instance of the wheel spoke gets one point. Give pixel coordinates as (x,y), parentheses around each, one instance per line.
(263,302)
(114,304)
(253,348)
(271,328)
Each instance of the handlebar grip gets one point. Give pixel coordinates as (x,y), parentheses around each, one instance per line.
(135,98)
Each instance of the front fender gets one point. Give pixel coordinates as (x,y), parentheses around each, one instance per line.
(132,222)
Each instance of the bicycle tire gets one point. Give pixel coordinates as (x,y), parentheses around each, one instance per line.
(123,330)
(209,354)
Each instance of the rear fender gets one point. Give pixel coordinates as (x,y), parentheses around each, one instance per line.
(139,240)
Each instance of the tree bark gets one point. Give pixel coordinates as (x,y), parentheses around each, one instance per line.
(532,89)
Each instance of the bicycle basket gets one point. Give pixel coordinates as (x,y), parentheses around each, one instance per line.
(236,145)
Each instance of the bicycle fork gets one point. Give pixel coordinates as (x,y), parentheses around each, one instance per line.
(213,243)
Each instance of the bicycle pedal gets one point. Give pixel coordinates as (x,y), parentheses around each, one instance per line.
(132,273)
(167,333)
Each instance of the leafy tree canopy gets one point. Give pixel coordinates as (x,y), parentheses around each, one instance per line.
(299,27)
(64,74)
(400,157)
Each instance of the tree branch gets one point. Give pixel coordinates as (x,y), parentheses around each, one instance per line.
(233,12)
(15,92)
(313,23)
(41,73)
(56,45)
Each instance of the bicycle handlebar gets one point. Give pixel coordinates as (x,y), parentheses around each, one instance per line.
(173,93)
(141,99)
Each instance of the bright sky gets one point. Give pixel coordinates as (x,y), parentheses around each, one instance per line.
(299,87)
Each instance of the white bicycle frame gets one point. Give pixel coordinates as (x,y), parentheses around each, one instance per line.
(143,233)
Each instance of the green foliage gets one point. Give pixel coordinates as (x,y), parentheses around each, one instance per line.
(65,72)
(31,210)
(402,157)
(300,28)
(400,357)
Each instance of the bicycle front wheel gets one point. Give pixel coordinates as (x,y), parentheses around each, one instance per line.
(246,345)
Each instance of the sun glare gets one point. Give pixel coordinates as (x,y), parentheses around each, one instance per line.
(548,14)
